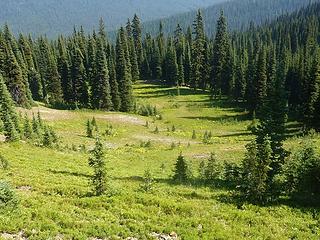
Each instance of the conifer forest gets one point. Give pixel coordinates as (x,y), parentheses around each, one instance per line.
(200,124)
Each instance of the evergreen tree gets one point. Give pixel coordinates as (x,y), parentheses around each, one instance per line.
(181,170)
(14,79)
(64,71)
(101,89)
(220,56)
(27,129)
(124,78)
(7,113)
(137,38)
(97,162)
(197,51)
(53,89)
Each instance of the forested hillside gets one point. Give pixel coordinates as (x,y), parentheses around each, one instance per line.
(238,13)
(166,136)
(53,17)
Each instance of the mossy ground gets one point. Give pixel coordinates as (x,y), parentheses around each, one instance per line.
(59,201)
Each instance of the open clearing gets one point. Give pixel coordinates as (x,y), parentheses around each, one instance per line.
(53,184)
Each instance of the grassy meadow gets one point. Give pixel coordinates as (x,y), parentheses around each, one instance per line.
(55,200)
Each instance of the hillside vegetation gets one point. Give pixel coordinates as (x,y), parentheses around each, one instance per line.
(54,17)
(52,184)
(239,14)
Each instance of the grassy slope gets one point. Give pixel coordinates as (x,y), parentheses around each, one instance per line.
(58,203)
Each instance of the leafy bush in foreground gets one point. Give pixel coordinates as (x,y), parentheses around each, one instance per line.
(8,197)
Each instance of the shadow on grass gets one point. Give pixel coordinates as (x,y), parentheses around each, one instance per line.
(69,173)
(225,118)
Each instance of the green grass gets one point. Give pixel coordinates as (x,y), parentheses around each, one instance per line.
(59,202)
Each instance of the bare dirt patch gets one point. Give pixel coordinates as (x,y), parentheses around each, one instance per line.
(48,113)
(122,118)
(162,139)
(24,188)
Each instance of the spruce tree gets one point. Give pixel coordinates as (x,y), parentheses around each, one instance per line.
(14,78)
(197,51)
(53,89)
(220,56)
(97,162)
(181,170)
(123,73)
(101,90)
(7,113)
(137,38)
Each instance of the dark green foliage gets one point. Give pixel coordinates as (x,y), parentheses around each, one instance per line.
(181,171)
(197,59)
(254,184)
(212,169)
(220,82)
(147,110)
(123,71)
(27,128)
(301,173)
(8,197)
(89,130)
(97,162)
(7,114)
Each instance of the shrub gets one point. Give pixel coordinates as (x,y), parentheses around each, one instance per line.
(109,131)
(8,197)
(4,164)
(207,137)
(232,173)
(301,172)
(147,110)
(146,144)
(254,184)
(148,182)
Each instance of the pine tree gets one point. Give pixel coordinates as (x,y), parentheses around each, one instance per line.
(27,129)
(89,129)
(101,90)
(197,51)
(135,72)
(171,65)
(14,79)
(80,85)
(181,170)
(137,38)
(256,165)
(220,56)
(53,89)
(124,78)
(97,162)
(261,80)
(64,71)
(114,88)
(314,92)
(8,115)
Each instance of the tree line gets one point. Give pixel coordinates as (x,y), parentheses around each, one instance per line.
(275,65)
